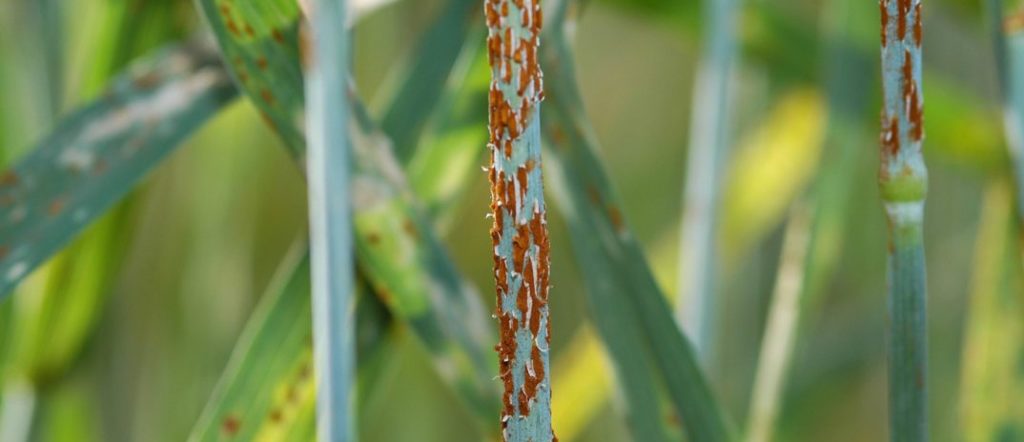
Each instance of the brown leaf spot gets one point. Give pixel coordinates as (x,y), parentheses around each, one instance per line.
(56,206)
(9,178)
(231,425)
(146,81)
(373,238)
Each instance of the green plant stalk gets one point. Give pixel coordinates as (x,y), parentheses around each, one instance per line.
(709,121)
(903,181)
(520,232)
(638,329)
(1008,39)
(330,222)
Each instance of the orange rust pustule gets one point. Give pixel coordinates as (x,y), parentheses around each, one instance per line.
(231,425)
(1014,23)
(890,137)
(903,8)
(8,179)
(883,7)
(56,206)
(917,25)
(912,98)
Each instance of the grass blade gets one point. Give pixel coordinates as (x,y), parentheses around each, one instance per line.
(707,152)
(991,382)
(780,330)
(432,64)
(268,388)
(903,182)
(638,329)
(828,201)
(396,248)
(96,155)
(330,221)
(520,232)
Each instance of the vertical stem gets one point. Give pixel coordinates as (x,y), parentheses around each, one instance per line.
(519,231)
(330,221)
(903,183)
(780,332)
(709,117)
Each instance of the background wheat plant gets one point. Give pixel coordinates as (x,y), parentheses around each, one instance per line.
(265,220)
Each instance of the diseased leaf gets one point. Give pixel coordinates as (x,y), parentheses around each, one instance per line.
(97,154)
(403,260)
(274,352)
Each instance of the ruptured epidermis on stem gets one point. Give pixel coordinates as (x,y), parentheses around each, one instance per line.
(519,232)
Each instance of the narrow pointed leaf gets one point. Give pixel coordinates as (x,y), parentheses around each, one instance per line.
(274,352)
(992,382)
(638,329)
(433,59)
(97,154)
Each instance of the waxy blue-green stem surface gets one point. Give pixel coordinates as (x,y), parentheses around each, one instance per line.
(519,233)
(903,181)
(330,218)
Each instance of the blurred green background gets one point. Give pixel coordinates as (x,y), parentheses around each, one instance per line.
(180,264)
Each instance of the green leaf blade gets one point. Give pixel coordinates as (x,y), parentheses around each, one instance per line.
(97,154)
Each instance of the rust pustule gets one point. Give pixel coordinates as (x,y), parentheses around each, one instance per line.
(373,238)
(8,179)
(267,96)
(912,98)
(615,217)
(146,81)
(917,25)
(903,7)
(275,416)
(100,167)
(883,7)
(56,206)
(230,425)
(890,137)
(277,35)
(1014,23)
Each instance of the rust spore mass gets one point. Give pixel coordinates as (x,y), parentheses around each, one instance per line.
(917,25)
(901,20)
(231,425)
(883,7)
(890,137)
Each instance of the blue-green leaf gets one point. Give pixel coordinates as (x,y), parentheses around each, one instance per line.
(97,154)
